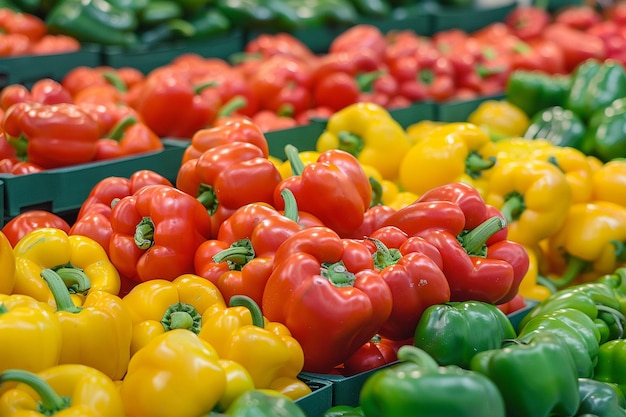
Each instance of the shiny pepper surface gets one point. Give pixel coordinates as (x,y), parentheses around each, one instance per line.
(7,265)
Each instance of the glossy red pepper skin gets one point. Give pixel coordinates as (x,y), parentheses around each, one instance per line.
(127,139)
(178,224)
(373,219)
(339,178)
(378,352)
(465,196)
(420,216)
(331,322)
(414,275)
(57,135)
(23,223)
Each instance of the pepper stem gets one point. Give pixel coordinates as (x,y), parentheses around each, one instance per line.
(338,274)
(617,315)
(574,267)
(206,196)
(250,304)
(115,80)
(117,132)
(291,205)
(231,106)
(237,255)
(297,166)
(350,142)
(475,164)
(75,279)
(620,250)
(3,309)
(144,234)
(384,257)
(59,291)
(197,89)
(410,353)
(377,192)
(513,207)
(51,402)
(182,316)
(473,241)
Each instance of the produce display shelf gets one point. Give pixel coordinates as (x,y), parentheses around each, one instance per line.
(467,18)
(28,69)
(146,58)
(64,189)
(319,400)
(459,110)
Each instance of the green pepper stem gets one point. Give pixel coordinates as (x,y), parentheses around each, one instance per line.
(545,281)
(206,196)
(51,402)
(475,164)
(513,207)
(574,267)
(144,234)
(291,205)
(3,309)
(338,274)
(75,279)
(350,142)
(115,80)
(377,192)
(197,89)
(297,166)
(237,255)
(117,132)
(384,257)
(232,105)
(617,315)
(182,316)
(59,291)
(286,110)
(620,250)
(410,353)
(474,240)
(251,305)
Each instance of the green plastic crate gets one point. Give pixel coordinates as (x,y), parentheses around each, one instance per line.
(417,112)
(416,18)
(302,137)
(63,190)
(468,19)
(27,70)
(319,400)
(459,110)
(146,58)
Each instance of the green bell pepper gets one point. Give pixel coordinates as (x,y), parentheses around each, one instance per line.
(344,411)
(452,333)
(559,126)
(338,12)
(576,329)
(135,5)
(167,31)
(533,91)
(617,282)
(377,8)
(536,378)
(418,386)
(259,403)
(600,399)
(158,12)
(209,22)
(605,136)
(595,85)
(595,299)
(260,14)
(611,366)
(93,21)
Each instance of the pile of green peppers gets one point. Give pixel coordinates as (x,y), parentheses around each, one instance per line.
(585,110)
(565,358)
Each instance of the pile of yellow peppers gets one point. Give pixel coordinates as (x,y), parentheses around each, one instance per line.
(71,343)
(567,208)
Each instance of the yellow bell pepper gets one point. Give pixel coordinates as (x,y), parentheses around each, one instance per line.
(500,118)
(591,240)
(70,390)
(517,149)
(96,334)
(307,157)
(418,131)
(574,165)
(609,182)
(266,349)
(534,197)
(530,287)
(159,305)
(82,263)
(454,152)
(175,374)
(30,334)
(402,199)
(594,163)
(7,265)
(370,133)
(238,381)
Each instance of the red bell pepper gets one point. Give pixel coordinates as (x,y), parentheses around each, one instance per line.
(52,136)
(16,166)
(339,178)
(267,45)
(580,16)
(229,176)
(94,217)
(268,121)
(373,219)
(156,232)
(226,130)
(465,196)
(528,22)
(108,115)
(128,137)
(12,94)
(325,290)
(27,24)
(412,269)
(83,77)
(23,223)
(577,46)
(362,36)
(378,352)
(420,216)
